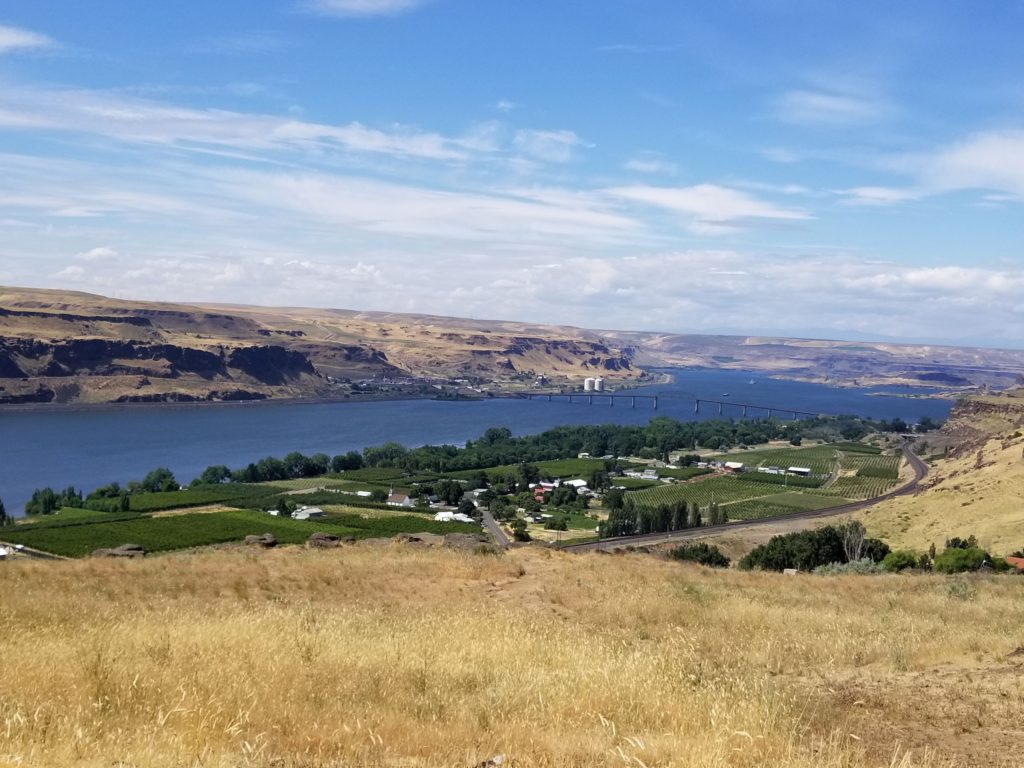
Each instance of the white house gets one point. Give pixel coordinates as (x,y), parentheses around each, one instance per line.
(734,466)
(400,500)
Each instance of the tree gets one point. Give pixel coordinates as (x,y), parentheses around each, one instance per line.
(526,474)
(214,475)
(467,507)
(519,532)
(43,502)
(285,508)
(449,491)
(159,479)
(614,499)
(350,460)
(4,519)
(854,535)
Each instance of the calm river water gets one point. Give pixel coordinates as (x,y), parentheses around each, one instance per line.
(89,448)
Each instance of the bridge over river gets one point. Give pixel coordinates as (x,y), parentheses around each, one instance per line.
(609,398)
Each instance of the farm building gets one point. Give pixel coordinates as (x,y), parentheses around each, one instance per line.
(802,471)
(734,466)
(308,513)
(400,500)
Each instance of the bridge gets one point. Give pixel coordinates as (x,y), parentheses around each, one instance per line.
(609,398)
(590,397)
(745,408)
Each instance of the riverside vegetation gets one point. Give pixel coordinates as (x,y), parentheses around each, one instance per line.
(401,656)
(353,487)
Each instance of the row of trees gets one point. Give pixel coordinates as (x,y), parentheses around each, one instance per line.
(625,518)
(46,501)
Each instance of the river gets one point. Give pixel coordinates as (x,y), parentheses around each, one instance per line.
(87,448)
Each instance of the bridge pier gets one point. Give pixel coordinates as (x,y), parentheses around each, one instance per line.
(696,406)
(744,411)
(655,402)
(719,409)
(632,402)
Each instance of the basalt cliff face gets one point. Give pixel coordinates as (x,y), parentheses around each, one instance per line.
(61,347)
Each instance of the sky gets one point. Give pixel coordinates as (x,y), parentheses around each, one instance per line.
(769,167)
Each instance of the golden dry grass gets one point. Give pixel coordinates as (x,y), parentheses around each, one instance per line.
(977,494)
(401,657)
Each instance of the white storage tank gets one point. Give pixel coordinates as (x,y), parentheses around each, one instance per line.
(599,384)
(588,384)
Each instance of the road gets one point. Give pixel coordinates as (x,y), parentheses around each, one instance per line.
(495,530)
(29,552)
(919,467)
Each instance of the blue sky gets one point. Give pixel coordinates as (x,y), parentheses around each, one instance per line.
(847,170)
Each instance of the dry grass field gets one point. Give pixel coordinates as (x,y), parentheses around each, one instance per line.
(396,656)
(977,491)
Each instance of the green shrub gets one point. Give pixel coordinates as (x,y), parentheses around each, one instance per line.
(806,550)
(705,554)
(956,560)
(900,560)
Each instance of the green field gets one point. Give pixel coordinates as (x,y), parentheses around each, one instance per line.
(161,534)
(719,489)
(683,473)
(863,472)
(198,496)
(68,516)
(859,488)
(635,483)
(820,459)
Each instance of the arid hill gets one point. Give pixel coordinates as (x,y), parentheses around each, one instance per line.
(60,346)
(976,490)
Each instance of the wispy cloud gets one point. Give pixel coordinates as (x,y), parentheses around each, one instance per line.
(877,195)
(828,107)
(505,105)
(363,8)
(709,208)
(651,163)
(553,146)
(18,39)
(992,160)
(121,117)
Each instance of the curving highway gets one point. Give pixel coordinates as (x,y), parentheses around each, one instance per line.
(919,467)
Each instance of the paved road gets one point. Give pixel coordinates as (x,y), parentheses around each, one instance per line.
(29,552)
(495,530)
(919,467)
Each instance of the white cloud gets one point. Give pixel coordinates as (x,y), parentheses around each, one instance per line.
(124,118)
(992,160)
(17,39)
(828,107)
(518,217)
(363,8)
(552,146)
(97,254)
(877,195)
(651,163)
(73,273)
(709,208)
(504,105)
